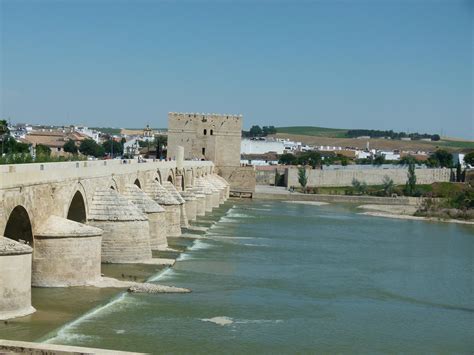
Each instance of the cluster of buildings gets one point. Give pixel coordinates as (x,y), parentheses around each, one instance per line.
(55,137)
(266,151)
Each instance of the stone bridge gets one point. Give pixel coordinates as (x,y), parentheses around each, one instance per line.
(59,221)
(30,193)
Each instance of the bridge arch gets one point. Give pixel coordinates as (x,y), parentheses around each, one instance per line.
(19,225)
(170,177)
(158,178)
(137,182)
(77,208)
(113,185)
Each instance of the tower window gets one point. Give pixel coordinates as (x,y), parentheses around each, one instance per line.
(203,151)
(212,132)
(205,131)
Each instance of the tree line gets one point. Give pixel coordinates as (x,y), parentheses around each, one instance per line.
(257,131)
(373,133)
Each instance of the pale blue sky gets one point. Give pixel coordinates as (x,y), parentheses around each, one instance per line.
(401,65)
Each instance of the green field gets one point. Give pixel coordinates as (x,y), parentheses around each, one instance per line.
(314,131)
(456,144)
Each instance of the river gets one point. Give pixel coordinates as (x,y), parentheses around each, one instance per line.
(285,278)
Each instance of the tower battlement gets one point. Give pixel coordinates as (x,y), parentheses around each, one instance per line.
(203,115)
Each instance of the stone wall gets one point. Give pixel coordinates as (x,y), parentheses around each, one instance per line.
(266,175)
(334,178)
(241,179)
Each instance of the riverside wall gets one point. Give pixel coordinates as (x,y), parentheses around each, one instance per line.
(371,176)
(266,175)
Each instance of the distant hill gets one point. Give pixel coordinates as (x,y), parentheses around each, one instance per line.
(314,131)
(339,137)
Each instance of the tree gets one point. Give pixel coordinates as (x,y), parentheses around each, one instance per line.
(42,150)
(70,147)
(160,143)
(406,160)
(302,177)
(343,159)
(11,146)
(4,128)
(310,158)
(443,158)
(266,130)
(411,180)
(360,187)
(287,159)
(388,185)
(113,147)
(255,131)
(90,147)
(469,159)
(460,174)
(379,160)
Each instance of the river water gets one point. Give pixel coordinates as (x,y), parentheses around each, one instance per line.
(293,278)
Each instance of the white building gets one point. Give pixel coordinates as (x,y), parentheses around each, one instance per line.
(131,147)
(259,146)
(459,158)
(389,155)
(361,154)
(93,134)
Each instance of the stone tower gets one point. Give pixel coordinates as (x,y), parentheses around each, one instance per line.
(214,137)
(206,136)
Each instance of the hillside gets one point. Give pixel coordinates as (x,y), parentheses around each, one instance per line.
(314,131)
(337,137)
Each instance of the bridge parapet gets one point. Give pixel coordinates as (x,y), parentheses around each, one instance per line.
(38,173)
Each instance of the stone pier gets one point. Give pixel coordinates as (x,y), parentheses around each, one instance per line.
(126,236)
(155,213)
(67,253)
(172,207)
(15,279)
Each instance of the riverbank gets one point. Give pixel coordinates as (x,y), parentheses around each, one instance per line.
(388,207)
(415,218)
(281,193)
(404,212)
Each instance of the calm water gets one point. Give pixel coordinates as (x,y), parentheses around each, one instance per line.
(301,279)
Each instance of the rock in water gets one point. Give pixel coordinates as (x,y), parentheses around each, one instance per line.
(153,288)
(219,320)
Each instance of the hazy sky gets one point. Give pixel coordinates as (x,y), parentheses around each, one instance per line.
(385,64)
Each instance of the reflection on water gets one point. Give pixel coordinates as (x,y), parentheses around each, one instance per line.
(289,278)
